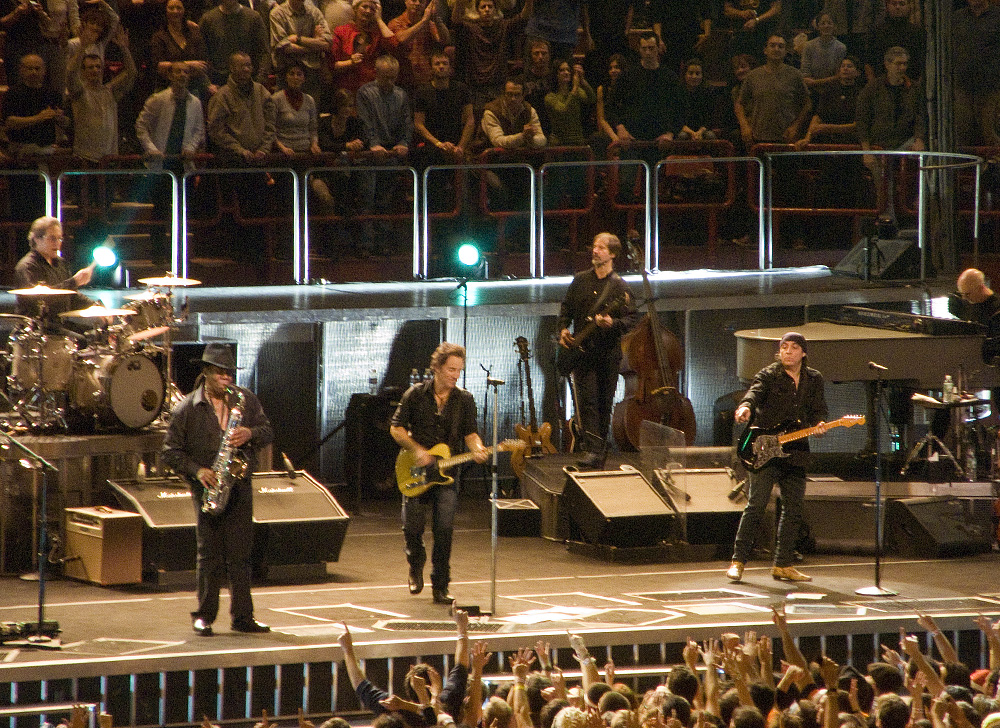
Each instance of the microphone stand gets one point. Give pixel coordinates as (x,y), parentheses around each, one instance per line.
(877,590)
(39,639)
(463,286)
(495,486)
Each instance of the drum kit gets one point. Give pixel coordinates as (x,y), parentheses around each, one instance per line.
(116,376)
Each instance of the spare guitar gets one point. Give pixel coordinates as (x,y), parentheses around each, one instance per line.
(414,480)
(537,438)
(759,446)
(574,426)
(568,358)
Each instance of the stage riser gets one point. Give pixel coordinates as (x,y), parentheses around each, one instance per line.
(181,697)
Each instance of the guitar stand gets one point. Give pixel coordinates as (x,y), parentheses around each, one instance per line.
(931,441)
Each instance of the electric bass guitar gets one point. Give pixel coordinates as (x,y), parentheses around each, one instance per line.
(568,358)
(759,446)
(414,480)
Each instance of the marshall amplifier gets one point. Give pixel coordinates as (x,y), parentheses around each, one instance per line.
(296,520)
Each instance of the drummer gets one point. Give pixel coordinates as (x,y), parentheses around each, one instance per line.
(44,265)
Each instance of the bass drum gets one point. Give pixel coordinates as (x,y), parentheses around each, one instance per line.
(122,390)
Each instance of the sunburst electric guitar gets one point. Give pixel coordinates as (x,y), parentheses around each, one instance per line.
(414,480)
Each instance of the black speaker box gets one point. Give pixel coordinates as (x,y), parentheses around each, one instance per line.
(617,508)
(296,521)
(937,526)
(890,259)
(369,450)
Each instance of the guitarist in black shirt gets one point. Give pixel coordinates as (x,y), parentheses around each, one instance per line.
(431,413)
(597,296)
(786,393)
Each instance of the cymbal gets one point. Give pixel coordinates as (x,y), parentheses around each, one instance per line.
(147,295)
(169,280)
(149,333)
(96,311)
(41,290)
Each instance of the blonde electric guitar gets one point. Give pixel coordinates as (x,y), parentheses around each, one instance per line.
(414,480)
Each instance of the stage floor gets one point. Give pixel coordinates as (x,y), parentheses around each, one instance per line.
(542,589)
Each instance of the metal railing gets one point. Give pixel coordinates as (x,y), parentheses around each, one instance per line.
(539,170)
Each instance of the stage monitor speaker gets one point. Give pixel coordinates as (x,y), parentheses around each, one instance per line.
(712,516)
(103,546)
(617,508)
(937,526)
(890,259)
(297,521)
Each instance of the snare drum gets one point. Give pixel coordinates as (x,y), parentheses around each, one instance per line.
(153,317)
(122,389)
(56,354)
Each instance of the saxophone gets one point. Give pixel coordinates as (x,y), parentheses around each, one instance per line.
(230,465)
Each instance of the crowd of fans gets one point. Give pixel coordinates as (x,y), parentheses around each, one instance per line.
(729,682)
(723,683)
(436,81)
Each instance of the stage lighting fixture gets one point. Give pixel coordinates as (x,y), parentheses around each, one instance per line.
(104,256)
(471,262)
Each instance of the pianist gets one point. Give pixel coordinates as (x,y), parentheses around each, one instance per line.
(976,301)
(786,393)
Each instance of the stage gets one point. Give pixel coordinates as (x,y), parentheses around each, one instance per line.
(638,614)
(308,351)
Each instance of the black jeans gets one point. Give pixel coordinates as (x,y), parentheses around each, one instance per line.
(791,480)
(442,502)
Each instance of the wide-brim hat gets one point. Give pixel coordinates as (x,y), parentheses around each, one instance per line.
(218,355)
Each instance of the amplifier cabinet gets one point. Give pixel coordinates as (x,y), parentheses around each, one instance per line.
(296,520)
(103,545)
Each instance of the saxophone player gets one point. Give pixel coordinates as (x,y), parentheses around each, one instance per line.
(194,439)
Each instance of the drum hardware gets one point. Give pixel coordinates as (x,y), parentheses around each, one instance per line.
(164,301)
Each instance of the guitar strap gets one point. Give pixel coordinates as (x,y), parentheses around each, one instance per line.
(610,283)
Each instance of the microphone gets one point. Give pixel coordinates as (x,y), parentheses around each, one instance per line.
(877,367)
(289,468)
(491,382)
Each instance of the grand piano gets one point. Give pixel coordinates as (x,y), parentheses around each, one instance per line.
(920,350)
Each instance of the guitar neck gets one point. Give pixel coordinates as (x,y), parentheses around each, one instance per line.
(801,434)
(446,463)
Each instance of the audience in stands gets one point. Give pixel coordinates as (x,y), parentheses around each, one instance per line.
(418,47)
(698,105)
(229,28)
(890,115)
(482,46)
(331,46)
(975,37)
(442,115)
(180,40)
(565,105)
(296,121)
(300,35)
(94,103)
(822,55)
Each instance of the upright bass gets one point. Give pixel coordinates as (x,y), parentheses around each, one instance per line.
(651,367)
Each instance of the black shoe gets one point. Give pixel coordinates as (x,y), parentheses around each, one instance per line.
(441,596)
(202,627)
(250,625)
(416,580)
(591,461)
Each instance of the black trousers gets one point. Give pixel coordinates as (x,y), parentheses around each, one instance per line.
(596,382)
(224,542)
